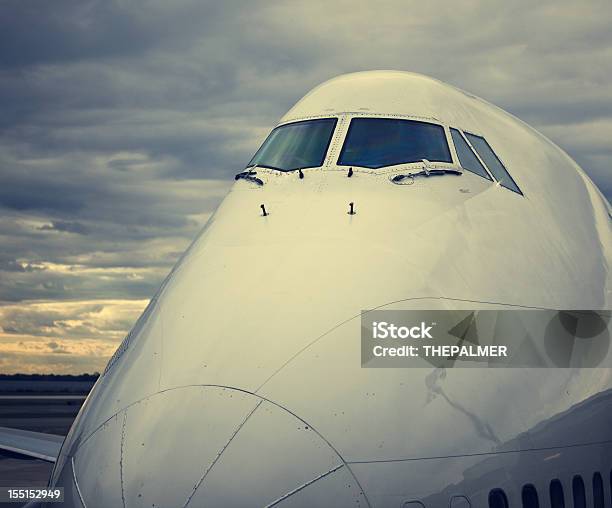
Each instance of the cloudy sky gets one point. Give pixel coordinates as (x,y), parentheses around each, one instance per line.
(123,122)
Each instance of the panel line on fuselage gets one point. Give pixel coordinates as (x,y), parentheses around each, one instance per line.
(482,454)
(215,460)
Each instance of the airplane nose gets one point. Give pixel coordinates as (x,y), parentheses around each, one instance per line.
(211,446)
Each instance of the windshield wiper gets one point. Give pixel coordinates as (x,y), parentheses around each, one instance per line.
(249,175)
(255,166)
(427,171)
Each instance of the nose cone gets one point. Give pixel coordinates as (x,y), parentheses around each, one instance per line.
(210,446)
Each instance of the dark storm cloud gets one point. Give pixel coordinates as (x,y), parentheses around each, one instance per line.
(123,122)
(50,285)
(66,30)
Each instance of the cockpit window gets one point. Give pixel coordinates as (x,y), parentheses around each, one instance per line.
(495,166)
(296,145)
(378,142)
(467,158)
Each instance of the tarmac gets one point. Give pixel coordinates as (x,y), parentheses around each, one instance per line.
(40,412)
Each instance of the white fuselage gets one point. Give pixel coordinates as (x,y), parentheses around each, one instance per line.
(241,384)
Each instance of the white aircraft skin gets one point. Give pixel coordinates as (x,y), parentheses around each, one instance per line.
(241,384)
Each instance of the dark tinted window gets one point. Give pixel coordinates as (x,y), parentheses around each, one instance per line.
(578,492)
(598,491)
(556,495)
(498,499)
(493,163)
(378,142)
(529,496)
(467,158)
(296,145)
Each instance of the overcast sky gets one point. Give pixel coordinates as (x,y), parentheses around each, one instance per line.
(123,123)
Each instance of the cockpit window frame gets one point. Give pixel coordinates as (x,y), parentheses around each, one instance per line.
(474,152)
(466,135)
(342,139)
(341,128)
(344,119)
(326,151)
